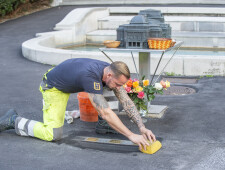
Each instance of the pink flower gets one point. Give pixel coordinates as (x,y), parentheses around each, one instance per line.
(128,89)
(141,95)
(163,83)
(135,80)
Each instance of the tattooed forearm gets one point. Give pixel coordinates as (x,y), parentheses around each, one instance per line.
(99,101)
(128,106)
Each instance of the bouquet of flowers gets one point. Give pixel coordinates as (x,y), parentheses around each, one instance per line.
(141,92)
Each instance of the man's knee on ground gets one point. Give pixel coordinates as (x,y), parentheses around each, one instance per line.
(57,133)
(52,134)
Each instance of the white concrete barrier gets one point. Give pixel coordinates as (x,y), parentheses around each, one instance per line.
(41,50)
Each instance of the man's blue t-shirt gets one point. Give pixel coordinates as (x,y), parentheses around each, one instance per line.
(77,75)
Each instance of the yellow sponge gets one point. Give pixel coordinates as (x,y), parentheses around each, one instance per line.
(152,148)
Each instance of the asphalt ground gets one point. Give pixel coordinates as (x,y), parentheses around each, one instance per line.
(192,130)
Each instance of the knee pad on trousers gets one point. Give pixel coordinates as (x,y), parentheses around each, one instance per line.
(57,133)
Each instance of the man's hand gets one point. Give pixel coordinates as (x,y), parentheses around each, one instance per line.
(139,140)
(147,134)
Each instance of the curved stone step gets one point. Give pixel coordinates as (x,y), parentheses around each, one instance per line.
(201,39)
(178,23)
(140,2)
(172,10)
(113,22)
(196,24)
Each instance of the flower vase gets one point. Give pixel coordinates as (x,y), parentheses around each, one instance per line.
(148,104)
(142,112)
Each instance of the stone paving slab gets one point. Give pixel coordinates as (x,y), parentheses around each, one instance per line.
(155,111)
(180,80)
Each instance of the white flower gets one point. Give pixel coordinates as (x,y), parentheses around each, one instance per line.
(158,86)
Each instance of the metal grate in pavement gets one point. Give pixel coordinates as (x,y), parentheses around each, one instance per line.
(179,90)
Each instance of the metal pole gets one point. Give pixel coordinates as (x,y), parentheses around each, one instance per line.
(167,63)
(157,67)
(107,56)
(135,65)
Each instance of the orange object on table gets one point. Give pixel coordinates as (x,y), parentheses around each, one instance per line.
(87,112)
(111,43)
(159,43)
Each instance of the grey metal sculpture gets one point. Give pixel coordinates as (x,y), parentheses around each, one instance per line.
(147,24)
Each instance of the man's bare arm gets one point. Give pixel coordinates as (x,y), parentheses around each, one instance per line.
(101,105)
(128,106)
(99,102)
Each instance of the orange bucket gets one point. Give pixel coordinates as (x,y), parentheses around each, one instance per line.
(87,111)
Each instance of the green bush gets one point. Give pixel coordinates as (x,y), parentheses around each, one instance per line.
(31,1)
(7,6)
(44,1)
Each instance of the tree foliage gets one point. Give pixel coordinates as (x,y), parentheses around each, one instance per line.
(8,6)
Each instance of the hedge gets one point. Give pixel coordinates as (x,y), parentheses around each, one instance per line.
(8,6)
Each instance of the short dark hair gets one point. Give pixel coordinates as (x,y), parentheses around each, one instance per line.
(120,68)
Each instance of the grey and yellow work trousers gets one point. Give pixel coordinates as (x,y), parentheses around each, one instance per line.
(54,107)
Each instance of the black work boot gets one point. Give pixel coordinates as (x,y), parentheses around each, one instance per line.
(103,127)
(7,121)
